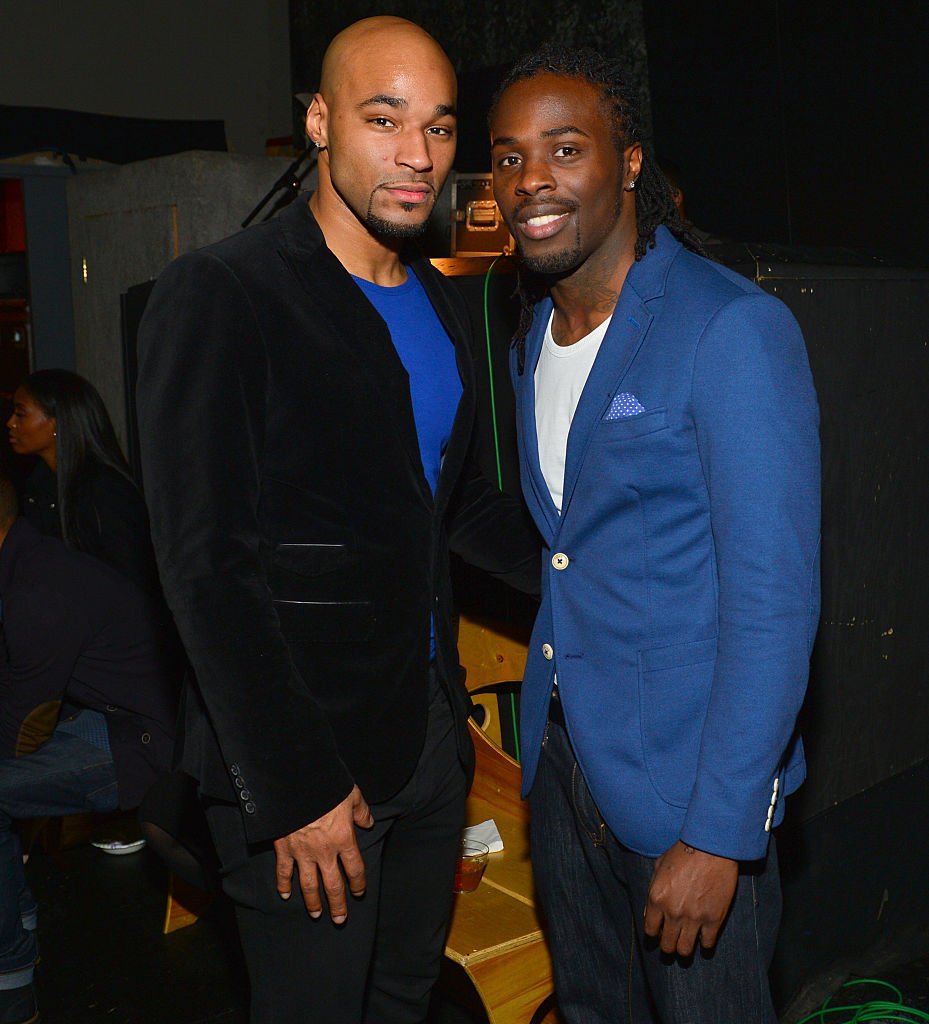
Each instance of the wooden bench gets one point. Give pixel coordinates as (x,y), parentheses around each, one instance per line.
(495,934)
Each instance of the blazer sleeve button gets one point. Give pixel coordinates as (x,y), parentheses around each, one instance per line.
(250,808)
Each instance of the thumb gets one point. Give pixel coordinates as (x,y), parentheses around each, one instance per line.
(361,813)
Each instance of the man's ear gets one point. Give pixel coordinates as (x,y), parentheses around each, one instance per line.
(633,158)
(317,121)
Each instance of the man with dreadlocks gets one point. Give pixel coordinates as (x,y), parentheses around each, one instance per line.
(668,444)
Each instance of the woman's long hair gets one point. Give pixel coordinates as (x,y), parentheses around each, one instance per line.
(85,437)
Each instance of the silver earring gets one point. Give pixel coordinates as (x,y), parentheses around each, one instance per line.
(631,186)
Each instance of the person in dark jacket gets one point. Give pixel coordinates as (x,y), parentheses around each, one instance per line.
(87,710)
(81,488)
(306,399)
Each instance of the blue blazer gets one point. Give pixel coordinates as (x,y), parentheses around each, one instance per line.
(680,584)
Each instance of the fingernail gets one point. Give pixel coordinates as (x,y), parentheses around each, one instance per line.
(315,914)
(340,919)
(284,895)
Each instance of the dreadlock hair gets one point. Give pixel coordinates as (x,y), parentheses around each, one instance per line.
(654,197)
(85,437)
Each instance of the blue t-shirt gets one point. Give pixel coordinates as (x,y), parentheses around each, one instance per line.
(428,356)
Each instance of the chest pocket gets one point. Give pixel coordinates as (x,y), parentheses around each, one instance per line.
(629,427)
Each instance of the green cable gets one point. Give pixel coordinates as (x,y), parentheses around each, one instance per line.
(490,372)
(515,725)
(876,1010)
(493,420)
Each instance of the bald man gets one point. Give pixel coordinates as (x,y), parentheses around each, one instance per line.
(306,400)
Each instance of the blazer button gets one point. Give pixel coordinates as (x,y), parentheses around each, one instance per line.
(234,769)
(146,737)
(245,795)
(112,707)
(249,808)
(240,782)
(548,652)
(560,560)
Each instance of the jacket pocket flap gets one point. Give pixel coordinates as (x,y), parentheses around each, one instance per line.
(312,559)
(325,621)
(678,655)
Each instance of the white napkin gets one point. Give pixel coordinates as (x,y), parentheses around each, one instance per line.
(486,833)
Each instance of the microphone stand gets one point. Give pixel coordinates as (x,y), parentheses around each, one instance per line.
(289,179)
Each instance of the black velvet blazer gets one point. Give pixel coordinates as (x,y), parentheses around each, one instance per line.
(299,544)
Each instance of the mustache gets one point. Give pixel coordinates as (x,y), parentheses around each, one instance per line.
(549,201)
(401,182)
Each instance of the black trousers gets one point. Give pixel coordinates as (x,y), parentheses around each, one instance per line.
(380,966)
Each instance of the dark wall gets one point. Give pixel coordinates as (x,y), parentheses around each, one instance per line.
(866,716)
(482,38)
(800,123)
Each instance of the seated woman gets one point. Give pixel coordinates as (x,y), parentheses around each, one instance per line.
(87,710)
(81,489)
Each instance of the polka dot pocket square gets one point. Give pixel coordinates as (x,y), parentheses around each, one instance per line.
(623,406)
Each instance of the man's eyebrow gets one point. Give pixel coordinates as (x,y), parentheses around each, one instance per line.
(399,103)
(382,99)
(565,129)
(549,133)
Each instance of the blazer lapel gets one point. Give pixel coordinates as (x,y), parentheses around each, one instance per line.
(437,291)
(539,497)
(644,283)
(623,338)
(335,298)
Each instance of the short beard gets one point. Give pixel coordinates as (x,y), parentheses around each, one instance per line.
(388,229)
(553,263)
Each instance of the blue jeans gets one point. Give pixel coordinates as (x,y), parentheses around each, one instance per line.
(66,775)
(594,890)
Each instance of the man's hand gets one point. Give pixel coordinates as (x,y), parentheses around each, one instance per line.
(689,897)
(317,848)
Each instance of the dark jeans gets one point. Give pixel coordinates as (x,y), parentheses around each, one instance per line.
(594,891)
(380,965)
(67,775)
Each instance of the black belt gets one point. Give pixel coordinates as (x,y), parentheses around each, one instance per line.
(555,710)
